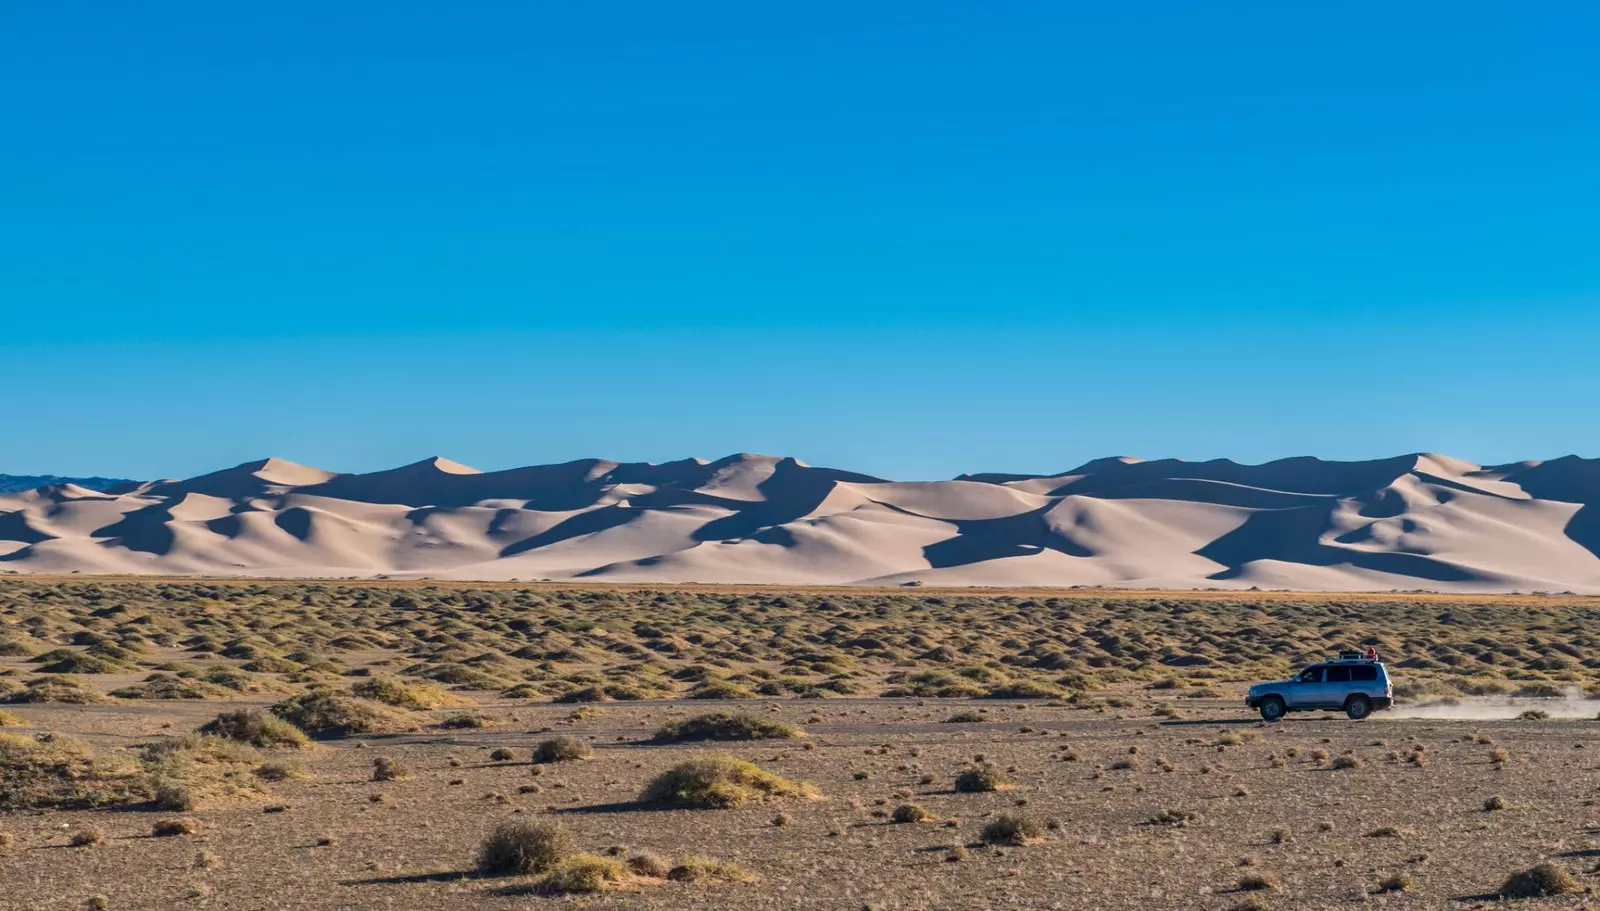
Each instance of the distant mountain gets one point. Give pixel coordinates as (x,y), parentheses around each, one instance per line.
(12,483)
(1419,521)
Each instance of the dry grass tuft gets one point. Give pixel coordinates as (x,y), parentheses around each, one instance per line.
(981,777)
(698,868)
(1541,880)
(1395,882)
(386,769)
(719,782)
(581,874)
(1012,830)
(256,728)
(910,812)
(406,695)
(168,828)
(562,749)
(326,713)
(725,726)
(651,866)
(52,772)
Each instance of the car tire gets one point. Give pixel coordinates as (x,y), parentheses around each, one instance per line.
(1357,707)
(1272,708)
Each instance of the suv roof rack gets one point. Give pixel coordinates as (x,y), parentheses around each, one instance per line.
(1368,655)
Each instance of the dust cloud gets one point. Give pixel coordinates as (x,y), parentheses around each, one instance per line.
(1572,704)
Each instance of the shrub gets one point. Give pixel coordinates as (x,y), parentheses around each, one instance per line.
(580,874)
(719,782)
(721,689)
(279,771)
(328,713)
(653,866)
(386,769)
(1542,880)
(1022,689)
(981,777)
(1011,830)
(167,828)
(1395,882)
(67,661)
(587,694)
(1170,817)
(53,772)
(55,690)
(520,848)
(561,749)
(1259,882)
(1347,762)
(9,720)
(910,812)
(401,694)
(726,726)
(502,754)
(1534,715)
(964,718)
(1494,803)
(87,836)
(166,686)
(256,728)
(698,868)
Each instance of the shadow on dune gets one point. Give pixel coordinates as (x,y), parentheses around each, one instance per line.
(1294,536)
(142,530)
(977,540)
(1569,479)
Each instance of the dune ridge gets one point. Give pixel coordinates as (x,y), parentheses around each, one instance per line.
(1418,521)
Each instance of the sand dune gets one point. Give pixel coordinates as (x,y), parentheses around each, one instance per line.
(1420,521)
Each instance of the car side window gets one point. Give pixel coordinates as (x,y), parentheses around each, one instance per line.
(1311,675)
(1338,675)
(1365,674)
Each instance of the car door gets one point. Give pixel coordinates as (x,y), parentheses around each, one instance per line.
(1336,685)
(1307,688)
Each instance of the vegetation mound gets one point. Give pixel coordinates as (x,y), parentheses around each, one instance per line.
(725,726)
(401,694)
(326,713)
(255,728)
(52,772)
(720,782)
(520,848)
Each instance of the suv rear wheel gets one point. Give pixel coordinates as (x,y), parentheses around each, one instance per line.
(1272,708)
(1357,707)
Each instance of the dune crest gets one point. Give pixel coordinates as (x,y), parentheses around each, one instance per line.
(1417,521)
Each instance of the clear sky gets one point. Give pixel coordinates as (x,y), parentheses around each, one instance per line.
(907,238)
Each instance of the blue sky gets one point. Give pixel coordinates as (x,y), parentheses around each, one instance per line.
(911,238)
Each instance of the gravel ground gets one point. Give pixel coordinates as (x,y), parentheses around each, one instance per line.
(1297,822)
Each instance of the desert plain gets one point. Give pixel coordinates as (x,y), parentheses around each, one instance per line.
(906,749)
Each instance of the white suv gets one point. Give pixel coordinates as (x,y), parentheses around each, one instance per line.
(1356,684)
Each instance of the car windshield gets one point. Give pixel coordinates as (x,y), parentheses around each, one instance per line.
(1311,675)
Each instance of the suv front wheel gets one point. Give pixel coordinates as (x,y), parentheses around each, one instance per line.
(1272,708)
(1358,707)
